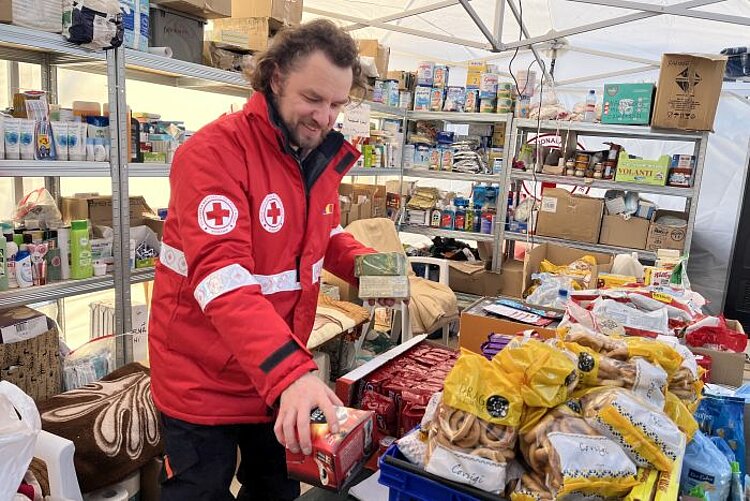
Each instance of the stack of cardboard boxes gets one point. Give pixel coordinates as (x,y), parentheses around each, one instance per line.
(361,201)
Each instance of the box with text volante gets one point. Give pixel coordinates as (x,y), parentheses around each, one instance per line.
(336,457)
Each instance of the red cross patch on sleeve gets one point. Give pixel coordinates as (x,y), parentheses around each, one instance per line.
(217,215)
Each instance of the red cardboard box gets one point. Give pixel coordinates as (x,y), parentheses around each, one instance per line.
(336,458)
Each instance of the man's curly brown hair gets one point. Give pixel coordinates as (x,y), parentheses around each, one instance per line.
(291,45)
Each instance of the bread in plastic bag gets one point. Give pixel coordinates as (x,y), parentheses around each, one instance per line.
(705,471)
(572,457)
(645,433)
(544,374)
(680,414)
(473,434)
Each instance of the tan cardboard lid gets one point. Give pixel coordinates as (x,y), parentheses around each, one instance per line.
(712,57)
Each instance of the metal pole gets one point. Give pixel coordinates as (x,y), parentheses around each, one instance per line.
(118,128)
(480,24)
(671,10)
(402,15)
(497,28)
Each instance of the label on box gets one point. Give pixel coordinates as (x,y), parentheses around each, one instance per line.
(24,330)
(549,204)
(476,471)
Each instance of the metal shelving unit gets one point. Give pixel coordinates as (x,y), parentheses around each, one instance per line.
(373,172)
(40,168)
(439,232)
(570,131)
(453,176)
(148,170)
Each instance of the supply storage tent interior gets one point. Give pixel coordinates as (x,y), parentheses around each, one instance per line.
(591,42)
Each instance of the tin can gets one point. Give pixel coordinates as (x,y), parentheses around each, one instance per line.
(487,106)
(504,90)
(378,92)
(488,86)
(504,105)
(440,76)
(425,73)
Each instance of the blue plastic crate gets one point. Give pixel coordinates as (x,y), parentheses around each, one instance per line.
(408,483)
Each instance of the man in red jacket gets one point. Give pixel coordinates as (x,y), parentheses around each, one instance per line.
(253,220)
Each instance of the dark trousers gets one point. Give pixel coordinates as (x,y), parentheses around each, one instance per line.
(200,463)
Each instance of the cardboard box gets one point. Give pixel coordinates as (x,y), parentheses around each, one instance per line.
(726,368)
(560,255)
(98,209)
(336,458)
(573,217)
(476,326)
(513,278)
(6,11)
(473,278)
(364,201)
(661,236)
(377,51)
(631,233)
(642,171)
(406,79)
(287,12)
(688,91)
(628,103)
(205,9)
(247,33)
(21,323)
(156,225)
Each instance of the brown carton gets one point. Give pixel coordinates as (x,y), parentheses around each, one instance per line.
(287,12)
(206,9)
(688,91)
(249,33)
(726,368)
(573,217)
(662,236)
(473,278)
(98,209)
(381,54)
(631,233)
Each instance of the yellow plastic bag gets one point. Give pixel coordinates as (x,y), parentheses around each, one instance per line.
(574,458)
(655,352)
(681,415)
(580,270)
(648,436)
(543,374)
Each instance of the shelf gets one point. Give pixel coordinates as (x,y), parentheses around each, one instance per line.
(438,232)
(606,185)
(458,117)
(453,176)
(372,172)
(536,239)
(34,46)
(68,288)
(381,109)
(162,70)
(53,168)
(148,170)
(599,129)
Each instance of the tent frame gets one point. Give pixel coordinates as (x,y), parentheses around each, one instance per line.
(494,34)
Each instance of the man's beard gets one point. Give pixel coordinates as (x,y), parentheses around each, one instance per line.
(307,143)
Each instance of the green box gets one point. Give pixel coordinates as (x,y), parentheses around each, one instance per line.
(640,171)
(382,264)
(628,103)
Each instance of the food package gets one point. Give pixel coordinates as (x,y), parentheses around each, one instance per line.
(384,287)
(723,416)
(634,322)
(706,473)
(414,447)
(648,381)
(646,434)
(713,333)
(680,414)
(580,270)
(385,411)
(473,434)
(544,374)
(380,264)
(571,457)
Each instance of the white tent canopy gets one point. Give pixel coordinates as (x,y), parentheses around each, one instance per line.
(626,47)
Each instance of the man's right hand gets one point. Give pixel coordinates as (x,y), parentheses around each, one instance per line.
(292,426)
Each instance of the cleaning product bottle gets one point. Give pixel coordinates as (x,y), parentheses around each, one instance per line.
(24,275)
(459,222)
(81,265)
(469,224)
(11,251)
(63,243)
(590,114)
(54,262)
(3,265)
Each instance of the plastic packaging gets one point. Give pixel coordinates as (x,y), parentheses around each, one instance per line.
(39,265)
(77,137)
(646,434)
(11,251)
(26,138)
(63,243)
(60,133)
(3,264)
(44,142)
(97,143)
(472,436)
(80,251)
(573,457)
(723,417)
(19,427)
(706,472)
(24,275)
(12,138)
(547,294)
(380,264)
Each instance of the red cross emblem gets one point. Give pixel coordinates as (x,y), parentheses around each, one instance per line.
(217,215)
(272,213)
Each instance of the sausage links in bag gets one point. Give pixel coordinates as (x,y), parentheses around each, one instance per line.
(473,434)
(573,458)
(645,433)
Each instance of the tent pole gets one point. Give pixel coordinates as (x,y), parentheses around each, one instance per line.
(631,71)
(480,24)
(497,30)
(400,29)
(554,35)
(612,55)
(404,14)
(517,14)
(671,10)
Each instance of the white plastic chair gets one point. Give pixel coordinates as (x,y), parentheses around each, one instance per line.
(57,453)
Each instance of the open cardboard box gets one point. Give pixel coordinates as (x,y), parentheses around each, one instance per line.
(726,368)
(561,256)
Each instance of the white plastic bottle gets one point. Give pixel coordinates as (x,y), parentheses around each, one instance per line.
(63,243)
(11,251)
(590,113)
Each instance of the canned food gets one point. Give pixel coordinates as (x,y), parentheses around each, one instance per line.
(487,106)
